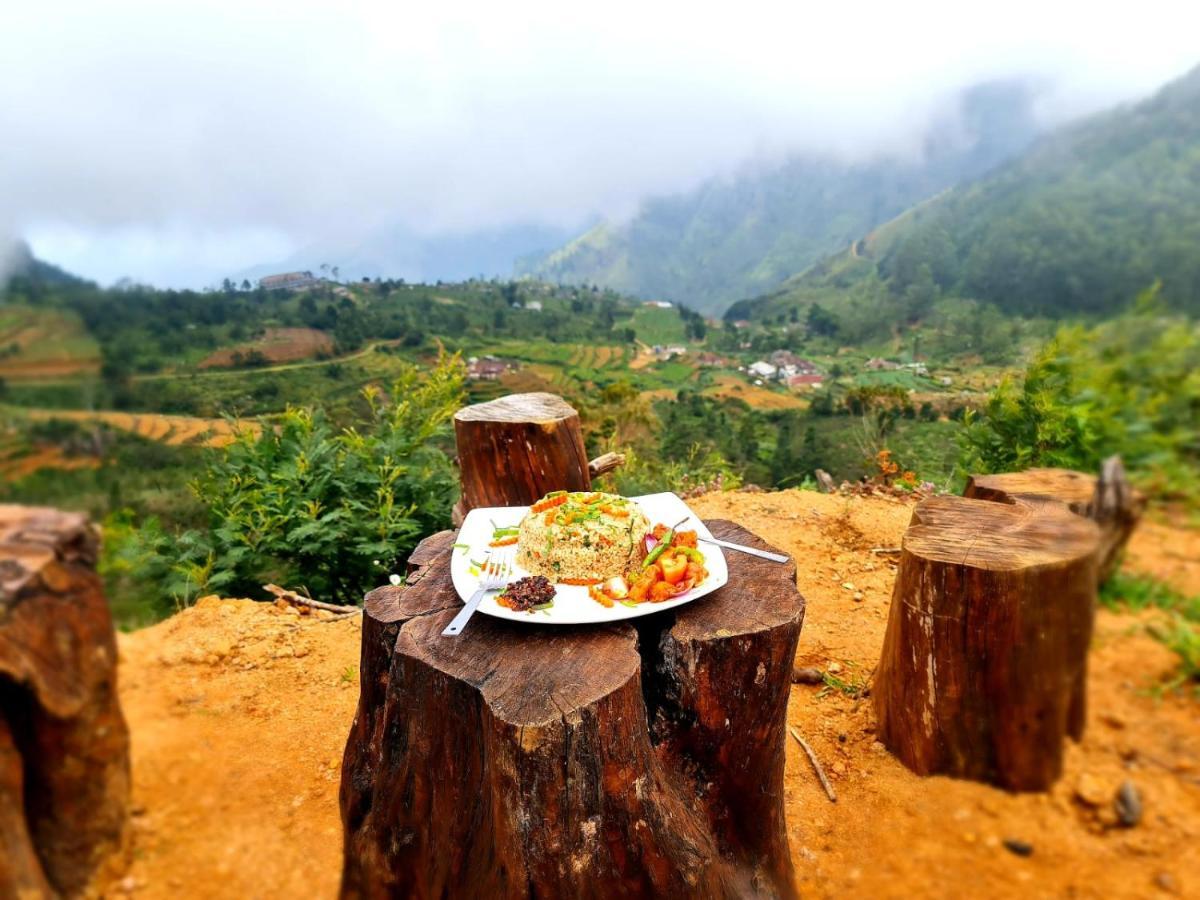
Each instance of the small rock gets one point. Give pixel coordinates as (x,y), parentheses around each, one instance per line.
(1128,804)
(858,596)
(1018,847)
(833,668)
(848,585)
(128,884)
(806,675)
(1090,790)
(1112,720)
(1165,881)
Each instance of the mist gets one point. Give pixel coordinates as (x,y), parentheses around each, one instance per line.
(177,143)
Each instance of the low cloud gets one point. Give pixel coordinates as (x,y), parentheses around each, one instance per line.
(171,142)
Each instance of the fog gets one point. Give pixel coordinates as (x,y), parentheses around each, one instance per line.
(177,142)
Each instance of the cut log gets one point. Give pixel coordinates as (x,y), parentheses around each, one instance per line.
(1109,500)
(514,450)
(524,760)
(64,746)
(984,663)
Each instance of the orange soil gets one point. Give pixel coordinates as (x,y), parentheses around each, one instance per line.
(239,712)
(278,345)
(47,368)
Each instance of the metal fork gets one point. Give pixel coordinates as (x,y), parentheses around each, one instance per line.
(495,577)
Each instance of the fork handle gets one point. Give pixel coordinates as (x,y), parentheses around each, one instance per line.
(459,622)
(765,554)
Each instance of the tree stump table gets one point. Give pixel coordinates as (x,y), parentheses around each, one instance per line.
(643,758)
(64,747)
(984,663)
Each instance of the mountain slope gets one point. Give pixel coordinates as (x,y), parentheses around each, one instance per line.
(733,238)
(18,264)
(1081,223)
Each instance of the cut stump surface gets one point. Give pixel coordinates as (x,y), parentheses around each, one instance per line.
(637,759)
(1108,500)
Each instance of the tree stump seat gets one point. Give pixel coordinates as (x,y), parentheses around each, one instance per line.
(642,758)
(1107,499)
(984,662)
(64,746)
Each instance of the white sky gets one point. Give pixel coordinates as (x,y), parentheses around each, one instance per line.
(177,141)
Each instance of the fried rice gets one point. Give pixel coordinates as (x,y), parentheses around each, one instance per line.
(582,537)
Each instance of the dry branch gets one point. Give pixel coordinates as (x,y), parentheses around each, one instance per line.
(816,764)
(605,463)
(301,600)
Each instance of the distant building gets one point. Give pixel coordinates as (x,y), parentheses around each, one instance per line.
(878,364)
(711,359)
(792,364)
(535,305)
(805,382)
(487,369)
(763,369)
(659,304)
(289,281)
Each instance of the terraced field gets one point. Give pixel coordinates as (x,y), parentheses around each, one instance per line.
(173,430)
(277,345)
(40,343)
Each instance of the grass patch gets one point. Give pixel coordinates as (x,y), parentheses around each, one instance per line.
(658,326)
(1180,633)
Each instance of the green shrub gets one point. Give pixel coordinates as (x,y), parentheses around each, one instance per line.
(1129,386)
(316,508)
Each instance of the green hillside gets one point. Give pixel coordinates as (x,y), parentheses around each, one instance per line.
(1078,225)
(741,236)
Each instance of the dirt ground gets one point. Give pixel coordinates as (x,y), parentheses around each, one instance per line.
(239,712)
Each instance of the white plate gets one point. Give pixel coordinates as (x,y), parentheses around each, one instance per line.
(572,605)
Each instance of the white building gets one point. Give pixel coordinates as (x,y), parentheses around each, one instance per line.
(763,369)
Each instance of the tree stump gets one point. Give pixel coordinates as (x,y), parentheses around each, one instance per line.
(984,663)
(64,747)
(1108,500)
(639,759)
(516,449)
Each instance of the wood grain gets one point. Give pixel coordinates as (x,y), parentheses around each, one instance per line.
(984,663)
(64,745)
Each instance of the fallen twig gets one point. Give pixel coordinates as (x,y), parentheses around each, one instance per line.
(301,600)
(816,764)
(888,550)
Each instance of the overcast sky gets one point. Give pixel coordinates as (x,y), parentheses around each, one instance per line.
(177,141)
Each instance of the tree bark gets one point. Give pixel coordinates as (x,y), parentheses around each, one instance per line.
(984,664)
(1108,500)
(639,759)
(514,450)
(64,746)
